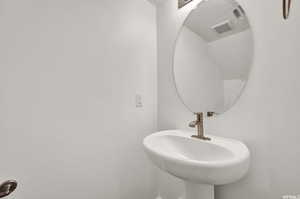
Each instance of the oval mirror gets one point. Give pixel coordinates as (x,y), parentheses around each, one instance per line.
(213,56)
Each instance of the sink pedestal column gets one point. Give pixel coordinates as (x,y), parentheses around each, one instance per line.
(198,191)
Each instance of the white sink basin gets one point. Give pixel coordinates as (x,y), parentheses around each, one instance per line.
(201,164)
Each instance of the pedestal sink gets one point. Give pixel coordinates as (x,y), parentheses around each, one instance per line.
(201,164)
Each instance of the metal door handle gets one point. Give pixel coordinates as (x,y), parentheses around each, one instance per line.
(7,187)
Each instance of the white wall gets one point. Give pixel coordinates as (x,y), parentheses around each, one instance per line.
(69,72)
(234,54)
(266,117)
(197,77)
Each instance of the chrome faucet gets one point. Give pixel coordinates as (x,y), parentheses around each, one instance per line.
(199,125)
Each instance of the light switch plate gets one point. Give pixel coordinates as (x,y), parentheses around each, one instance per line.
(182,3)
(138,101)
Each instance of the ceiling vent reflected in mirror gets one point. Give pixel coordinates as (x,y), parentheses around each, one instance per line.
(222,27)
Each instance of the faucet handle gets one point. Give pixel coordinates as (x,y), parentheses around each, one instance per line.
(210,114)
(193,124)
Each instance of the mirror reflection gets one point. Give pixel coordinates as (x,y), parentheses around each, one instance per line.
(213,56)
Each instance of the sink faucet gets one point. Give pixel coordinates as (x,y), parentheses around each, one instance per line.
(199,125)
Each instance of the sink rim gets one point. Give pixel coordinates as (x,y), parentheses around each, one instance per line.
(239,150)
